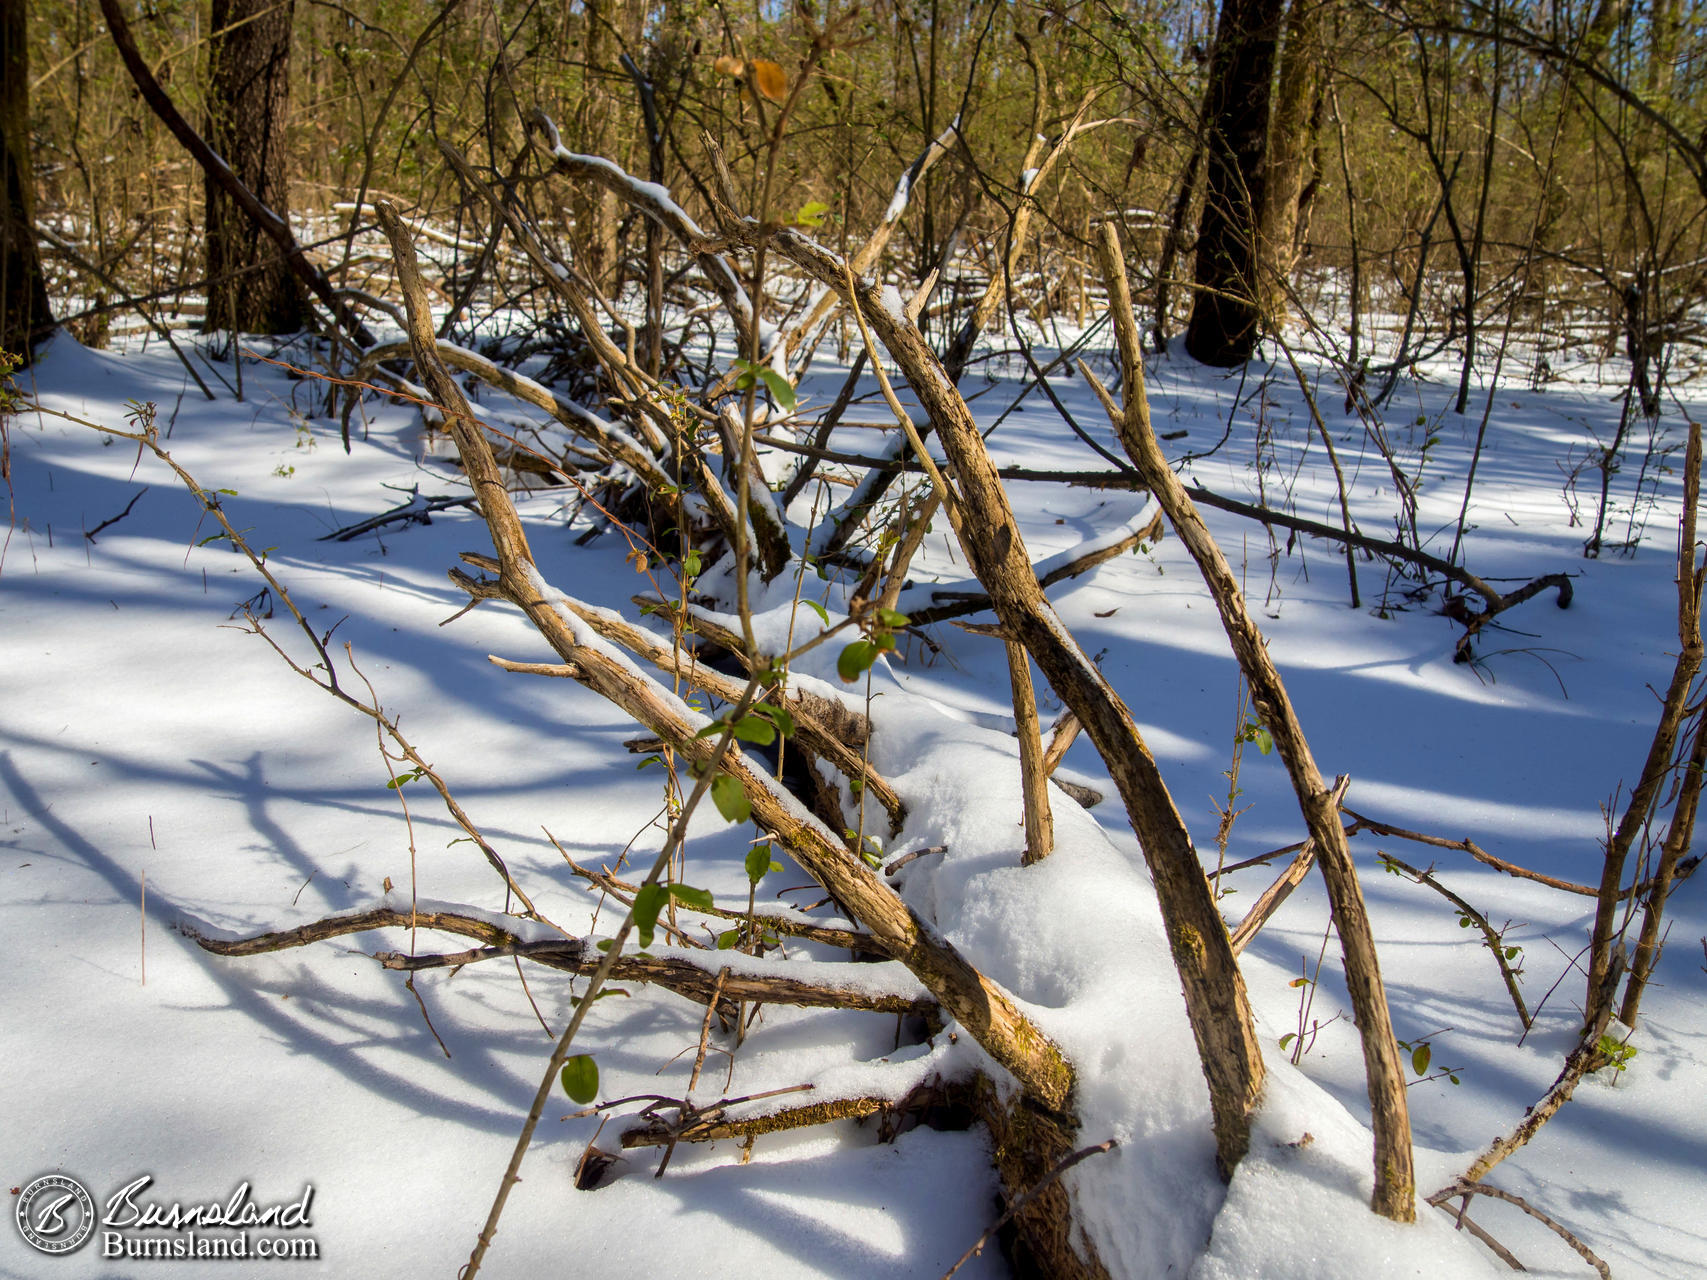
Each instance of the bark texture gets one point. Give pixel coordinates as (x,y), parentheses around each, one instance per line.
(1225,319)
(249,74)
(25,315)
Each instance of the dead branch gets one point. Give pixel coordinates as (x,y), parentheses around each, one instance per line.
(821,724)
(612,444)
(1588,1255)
(977,602)
(1361,822)
(1461,1219)
(683,974)
(769,921)
(711,1123)
(1061,736)
(417,510)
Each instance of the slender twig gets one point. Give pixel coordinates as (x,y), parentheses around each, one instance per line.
(1490,937)
(1482,1189)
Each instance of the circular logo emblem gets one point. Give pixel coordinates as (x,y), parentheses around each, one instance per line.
(56,1214)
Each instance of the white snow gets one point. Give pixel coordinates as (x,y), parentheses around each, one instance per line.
(142,733)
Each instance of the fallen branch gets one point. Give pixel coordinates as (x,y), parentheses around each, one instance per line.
(711,1123)
(417,510)
(683,974)
(1461,1219)
(977,602)
(770,922)
(987,1012)
(1217,1004)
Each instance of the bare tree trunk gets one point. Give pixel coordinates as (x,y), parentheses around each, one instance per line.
(24,312)
(1224,316)
(1297,106)
(611,26)
(249,74)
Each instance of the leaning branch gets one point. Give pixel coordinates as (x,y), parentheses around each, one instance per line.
(1395,1182)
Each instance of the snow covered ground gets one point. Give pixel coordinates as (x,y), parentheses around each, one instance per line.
(143,734)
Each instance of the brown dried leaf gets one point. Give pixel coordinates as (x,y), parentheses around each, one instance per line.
(769,79)
(728,65)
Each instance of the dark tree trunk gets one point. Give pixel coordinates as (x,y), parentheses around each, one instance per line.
(250,287)
(1225,317)
(24,314)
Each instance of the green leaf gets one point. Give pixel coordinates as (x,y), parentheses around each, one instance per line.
(890,618)
(730,800)
(811,214)
(648,902)
(783,721)
(1264,740)
(688,896)
(1299,982)
(760,863)
(727,939)
(1288,1038)
(580,1078)
(755,728)
(1419,1059)
(855,660)
(782,391)
(604,994)
(820,610)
